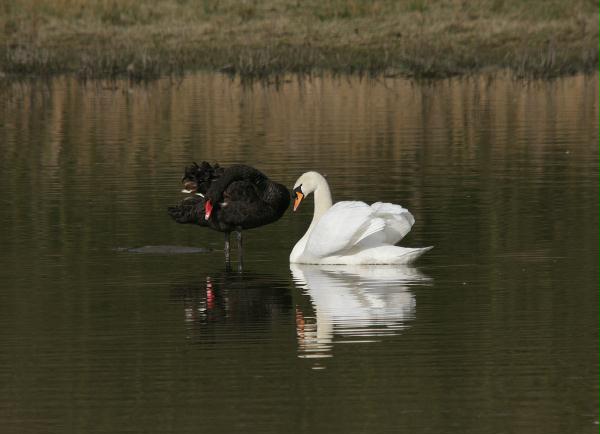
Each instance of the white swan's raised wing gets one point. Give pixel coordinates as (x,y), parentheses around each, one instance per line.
(343,226)
(398,221)
(348,224)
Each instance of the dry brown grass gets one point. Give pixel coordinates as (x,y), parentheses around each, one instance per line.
(424,38)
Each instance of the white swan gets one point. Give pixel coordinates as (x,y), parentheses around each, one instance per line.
(351,232)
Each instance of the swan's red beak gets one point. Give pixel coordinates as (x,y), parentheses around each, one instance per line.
(298,199)
(208,207)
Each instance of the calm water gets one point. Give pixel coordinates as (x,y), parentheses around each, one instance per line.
(494,331)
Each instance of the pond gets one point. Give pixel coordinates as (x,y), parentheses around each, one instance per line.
(106,326)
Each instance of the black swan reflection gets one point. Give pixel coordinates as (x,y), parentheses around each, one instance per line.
(228,305)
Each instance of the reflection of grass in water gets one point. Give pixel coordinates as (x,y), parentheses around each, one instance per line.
(423,38)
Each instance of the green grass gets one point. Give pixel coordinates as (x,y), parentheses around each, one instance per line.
(421,38)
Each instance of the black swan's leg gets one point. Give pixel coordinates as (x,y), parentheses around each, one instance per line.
(240,250)
(227,252)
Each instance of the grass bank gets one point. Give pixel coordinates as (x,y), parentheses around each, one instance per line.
(253,38)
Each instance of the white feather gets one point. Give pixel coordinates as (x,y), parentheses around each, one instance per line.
(339,228)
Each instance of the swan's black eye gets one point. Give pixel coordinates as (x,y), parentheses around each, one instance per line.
(297,190)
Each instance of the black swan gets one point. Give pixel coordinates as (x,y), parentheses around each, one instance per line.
(230,200)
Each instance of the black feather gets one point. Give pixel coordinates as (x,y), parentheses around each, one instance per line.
(242,197)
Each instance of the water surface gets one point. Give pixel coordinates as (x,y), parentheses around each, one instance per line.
(494,330)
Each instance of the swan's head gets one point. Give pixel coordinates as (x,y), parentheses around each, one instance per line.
(305,185)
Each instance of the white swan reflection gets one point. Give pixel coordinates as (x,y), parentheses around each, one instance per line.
(353,304)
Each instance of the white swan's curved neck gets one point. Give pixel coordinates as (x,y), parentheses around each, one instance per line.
(323,202)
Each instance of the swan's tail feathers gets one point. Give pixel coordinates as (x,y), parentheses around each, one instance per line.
(411,254)
(190,210)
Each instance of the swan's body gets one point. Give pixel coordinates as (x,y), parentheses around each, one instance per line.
(230,200)
(351,232)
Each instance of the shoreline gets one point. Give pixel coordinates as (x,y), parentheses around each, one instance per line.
(252,40)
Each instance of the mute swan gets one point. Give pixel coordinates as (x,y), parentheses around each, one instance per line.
(351,232)
(230,200)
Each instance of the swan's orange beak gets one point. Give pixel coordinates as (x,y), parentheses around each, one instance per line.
(298,199)
(208,207)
